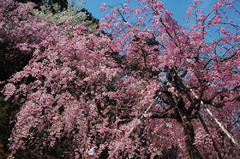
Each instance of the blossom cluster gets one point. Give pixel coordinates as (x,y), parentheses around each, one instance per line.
(126,89)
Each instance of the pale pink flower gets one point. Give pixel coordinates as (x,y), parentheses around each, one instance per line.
(9,90)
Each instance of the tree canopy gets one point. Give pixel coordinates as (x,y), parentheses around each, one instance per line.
(138,86)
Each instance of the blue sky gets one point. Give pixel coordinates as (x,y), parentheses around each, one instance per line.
(178,7)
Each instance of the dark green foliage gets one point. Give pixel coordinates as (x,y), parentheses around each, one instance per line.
(63,4)
(8,111)
(11,60)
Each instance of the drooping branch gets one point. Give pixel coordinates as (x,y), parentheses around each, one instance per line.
(208,132)
(221,126)
(160,115)
(217,121)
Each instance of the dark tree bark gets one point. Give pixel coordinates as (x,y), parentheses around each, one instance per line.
(189,141)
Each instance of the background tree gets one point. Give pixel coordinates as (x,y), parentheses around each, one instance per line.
(142,89)
(62,4)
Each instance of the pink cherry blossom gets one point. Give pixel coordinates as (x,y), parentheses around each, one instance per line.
(141,88)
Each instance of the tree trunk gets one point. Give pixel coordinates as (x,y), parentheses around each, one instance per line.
(189,141)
